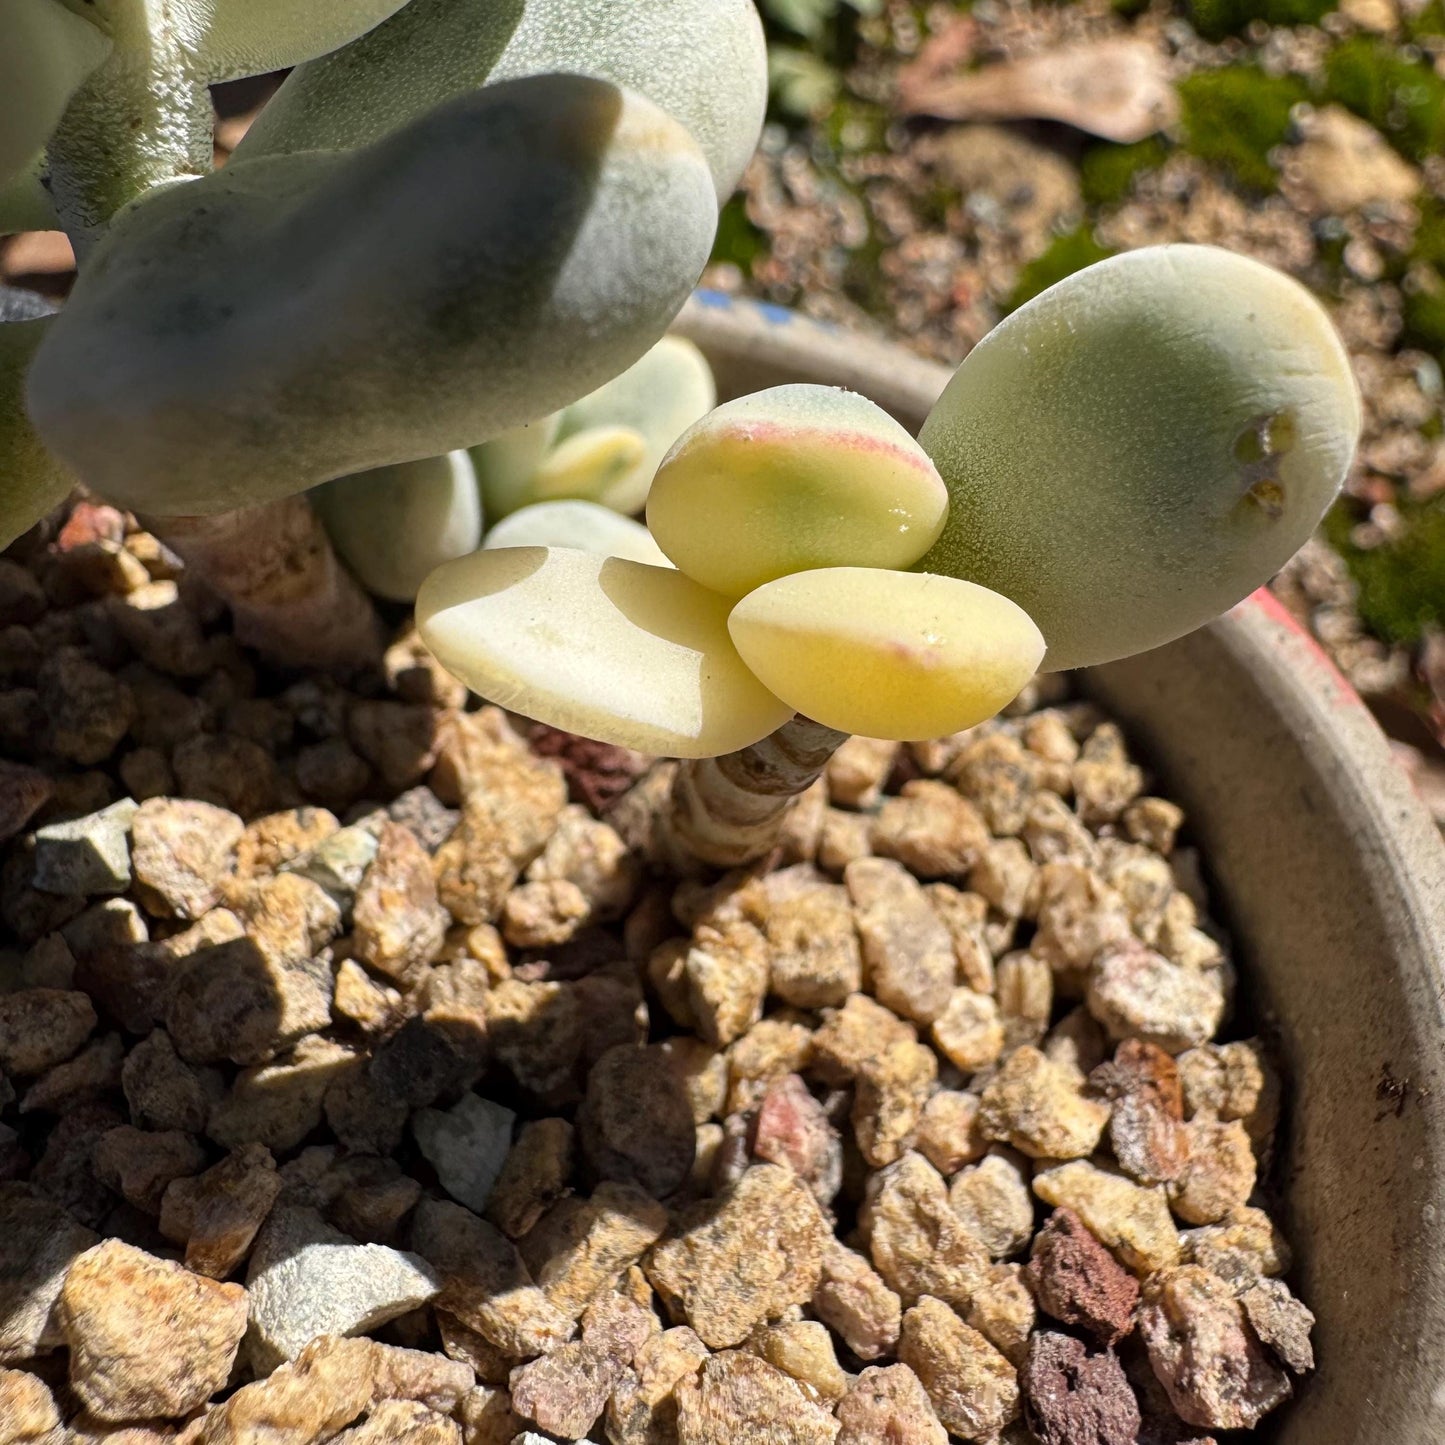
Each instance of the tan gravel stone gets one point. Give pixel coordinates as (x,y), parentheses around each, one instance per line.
(216,1214)
(892,1091)
(140,1165)
(804,1350)
(27,1410)
(270,842)
(1078,915)
(999,777)
(907,952)
(931,830)
(776,1046)
(1155,822)
(635,1124)
(737,1396)
(1220,1174)
(1205,1353)
(734,1262)
(852,1299)
(512,805)
(279,1104)
(992,1199)
(1241,1249)
(888,1406)
(973,1388)
(1282,1322)
(1053,833)
(181,852)
(403,1422)
(966,917)
(857,772)
(1131,1221)
(948,1135)
(582,1247)
(726,972)
(325,1388)
(968,1032)
(94,1071)
(1036,1106)
(398,923)
(1025,997)
(1137,993)
(543,915)
(371,1006)
(1004,875)
(703,1072)
(843,838)
(42,1027)
(484,1282)
(591,856)
(791,1128)
(289,918)
(859,1033)
(918,1243)
(534,1175)
(147,1338)
(1003,1311)
(1234,1081)
(487,1417)
(816,958)
(643,1406)
(1146,1130)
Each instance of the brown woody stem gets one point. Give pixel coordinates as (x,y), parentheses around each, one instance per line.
(289,595)
(729,811)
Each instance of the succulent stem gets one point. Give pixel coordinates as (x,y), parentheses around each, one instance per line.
(728,811)
(290,598)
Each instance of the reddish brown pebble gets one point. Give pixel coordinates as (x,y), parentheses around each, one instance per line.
(1075,1397)
(1077,1281)
(596,773)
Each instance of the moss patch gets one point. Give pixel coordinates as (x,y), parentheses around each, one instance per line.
(1403,98)
(1107,171)
(1234,117)
(1215,19)
(1402,584)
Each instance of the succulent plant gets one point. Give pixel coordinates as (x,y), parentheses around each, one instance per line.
(1130,454)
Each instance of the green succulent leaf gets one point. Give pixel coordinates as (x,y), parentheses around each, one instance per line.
(1141,446)
(32,481)
(701,61)
(581,526)
(294,318)
(46,54)
(394,525)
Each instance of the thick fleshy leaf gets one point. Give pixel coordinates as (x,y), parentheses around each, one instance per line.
(793,478)
(234,38)
(32,481)
(702,61)
(394,525)
(25,204)
(292,319)
(582,526)
(506,464)
(887,654)
(587,463)
(1141,446)
(659,397)
(46,51)
(615,650)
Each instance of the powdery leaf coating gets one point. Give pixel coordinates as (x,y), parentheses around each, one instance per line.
(743,1258)
(49,50)
(393,525)
(628,654)
(973,1387)
(589,218)
(1141,446)
(1074,1396)
(702,61)
(1206,1355)
(1134,1223)
(794,478)
(580,526)
(147,1338)
(888,654)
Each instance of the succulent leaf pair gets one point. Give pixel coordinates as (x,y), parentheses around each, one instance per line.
(1125,457)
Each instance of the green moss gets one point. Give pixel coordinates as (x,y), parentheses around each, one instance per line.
(853,125)
(1403,98)
(1429,21)
(1065,255)
(1402,584)
(1234,117)
(1424,314)
(1215,19)
(738,240)
(1107,172)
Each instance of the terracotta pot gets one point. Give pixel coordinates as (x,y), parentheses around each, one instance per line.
(1331,878)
